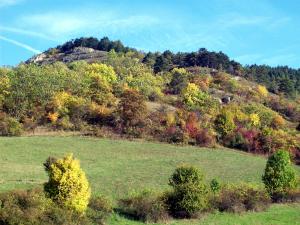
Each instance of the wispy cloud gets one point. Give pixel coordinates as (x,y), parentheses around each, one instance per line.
(62,24)
(4,3)
(236,20)
(20,44)
(26,32)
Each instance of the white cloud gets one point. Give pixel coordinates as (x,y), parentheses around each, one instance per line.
(20,44)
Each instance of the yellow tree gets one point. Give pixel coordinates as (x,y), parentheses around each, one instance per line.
(67,184)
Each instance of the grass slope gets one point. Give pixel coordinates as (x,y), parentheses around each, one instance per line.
(116,167)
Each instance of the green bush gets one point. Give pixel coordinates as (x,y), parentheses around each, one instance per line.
(215,186)
(68,185)
(190,194)
(279,176)
(145,206)
(240,198)
(224,123)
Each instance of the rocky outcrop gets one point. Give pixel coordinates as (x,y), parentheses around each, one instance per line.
(79,53)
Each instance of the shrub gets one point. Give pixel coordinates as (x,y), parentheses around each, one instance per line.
(224,123)
(240,198)
(29,207)
(278,122)
(190,194)
(279,176)
(145,206)
(262,91)
(235,140)
(67,184)
(32,207)
(179,80)
(205,138)
(175,134)
(132,111)
(99,209)
(215,186)
(193,97)
(9,126)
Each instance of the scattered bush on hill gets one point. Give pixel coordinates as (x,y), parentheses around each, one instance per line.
(32,207)
(279,177)
(215,186)
(224,123)
(190,193)
(9,126)
(67,185)
(132,111)
(240,198)
(145,206)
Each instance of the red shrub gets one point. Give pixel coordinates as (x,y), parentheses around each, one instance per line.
(192,125)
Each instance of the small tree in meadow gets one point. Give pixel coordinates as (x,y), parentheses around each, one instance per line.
(67,184)
(190,194)
(279,176)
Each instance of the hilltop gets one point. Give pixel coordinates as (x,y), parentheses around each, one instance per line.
(280,79)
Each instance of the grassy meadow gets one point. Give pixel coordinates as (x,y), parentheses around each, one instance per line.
(116,167)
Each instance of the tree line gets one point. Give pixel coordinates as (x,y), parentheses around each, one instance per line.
(280,79)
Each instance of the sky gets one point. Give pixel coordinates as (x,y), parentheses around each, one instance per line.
(249,31)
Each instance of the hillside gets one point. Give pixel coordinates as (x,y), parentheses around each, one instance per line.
(101,88)
(117,167)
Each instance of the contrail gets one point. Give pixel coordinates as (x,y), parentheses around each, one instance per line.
(22,45)
(26,32)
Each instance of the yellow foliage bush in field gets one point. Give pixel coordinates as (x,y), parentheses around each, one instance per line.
(67,184)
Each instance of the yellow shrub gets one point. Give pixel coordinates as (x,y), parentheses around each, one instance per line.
(67,184)
(170,120)
(262,90)
(254,119)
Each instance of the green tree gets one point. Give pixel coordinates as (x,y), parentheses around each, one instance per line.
(179,80)
(189,191)
(279,176)
(67,184)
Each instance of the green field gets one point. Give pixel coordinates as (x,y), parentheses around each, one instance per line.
(116,167)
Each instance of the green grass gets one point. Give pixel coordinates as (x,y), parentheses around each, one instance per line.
(116,167)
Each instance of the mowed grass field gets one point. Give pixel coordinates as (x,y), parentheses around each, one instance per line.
(117,167)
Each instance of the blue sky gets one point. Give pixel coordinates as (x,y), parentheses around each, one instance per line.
(252,31)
